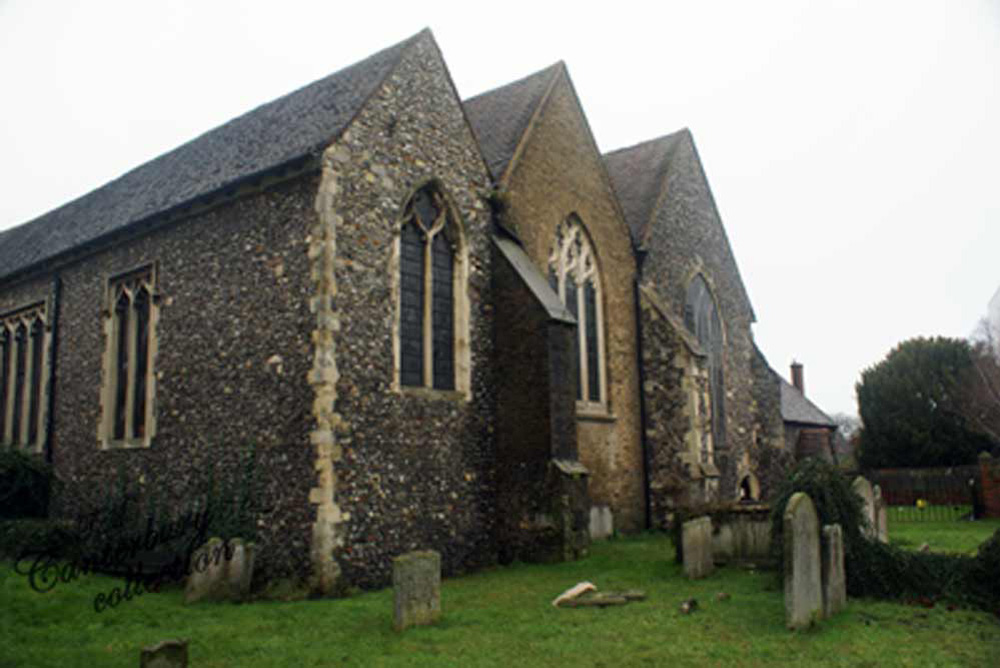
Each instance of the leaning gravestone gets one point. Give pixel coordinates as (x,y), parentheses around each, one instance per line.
(416,581)
(803,585)
(863,488)
(696,541)
(834,580)
(881,516)
(166,654)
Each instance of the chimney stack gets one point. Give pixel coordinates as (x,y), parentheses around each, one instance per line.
(797,379)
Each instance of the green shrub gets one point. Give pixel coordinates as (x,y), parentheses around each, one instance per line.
(23,536)
(25,485)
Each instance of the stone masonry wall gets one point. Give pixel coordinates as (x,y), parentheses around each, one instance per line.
(770,459)
(559,172)
(687,238)
(232,358)
(416,465)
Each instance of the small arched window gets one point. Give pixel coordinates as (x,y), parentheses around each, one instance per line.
(702,318)
(574,276)
(432,317)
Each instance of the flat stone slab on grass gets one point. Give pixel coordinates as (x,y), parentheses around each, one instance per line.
(416,581)
(166,654)
(803,581)
(696,538)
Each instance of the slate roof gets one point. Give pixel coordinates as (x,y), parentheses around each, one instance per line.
(639,174)
(273,135)
(500,117)
(796,408)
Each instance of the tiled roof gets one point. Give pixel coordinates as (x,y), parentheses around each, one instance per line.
(796,408)
(500,117)
(275,134)
(639,174)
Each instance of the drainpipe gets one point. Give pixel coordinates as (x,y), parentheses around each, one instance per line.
(55,302)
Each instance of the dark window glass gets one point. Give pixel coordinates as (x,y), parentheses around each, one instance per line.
(34,399)
(411,306)
(590,304)
(21,353)
(121,365)
(554,281)
(572,307)
(426,209)
(4,377)
(141,306)
(443,313)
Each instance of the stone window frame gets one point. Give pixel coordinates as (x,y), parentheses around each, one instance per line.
(37,376)
(452,224)
(708,448)
(130,282)
(574,252)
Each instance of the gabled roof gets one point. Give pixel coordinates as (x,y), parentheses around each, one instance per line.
(642,176)
(501,116)
(271,136)
(639,174)
(796,408)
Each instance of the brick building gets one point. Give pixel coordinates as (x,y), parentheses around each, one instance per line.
(439,324)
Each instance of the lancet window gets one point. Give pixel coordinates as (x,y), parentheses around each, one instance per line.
(574,276)
(702,318)
(432,310)
(130,320)
(24,350)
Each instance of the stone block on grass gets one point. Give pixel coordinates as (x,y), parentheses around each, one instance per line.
(803,580)
(416,583)
(166,654)
(696,537)
(834,578)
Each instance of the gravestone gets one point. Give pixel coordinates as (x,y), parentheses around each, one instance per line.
(696,541)
(863,488)
(220,571)
(881,516)
(602,522)
(803,580)
(416,582)
(834,579)
(166,654)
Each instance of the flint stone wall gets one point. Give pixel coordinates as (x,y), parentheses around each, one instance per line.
(686,238)
(417,466)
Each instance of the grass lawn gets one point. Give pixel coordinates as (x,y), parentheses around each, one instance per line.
(500,617)
(959,536)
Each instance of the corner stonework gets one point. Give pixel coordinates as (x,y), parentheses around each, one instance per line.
(323,377)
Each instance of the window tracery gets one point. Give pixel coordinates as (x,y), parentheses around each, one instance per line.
(702,318)
(574,276)
(128,418)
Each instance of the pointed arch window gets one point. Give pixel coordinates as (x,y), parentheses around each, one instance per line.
(574,276)
(702,318)
(130,334)
(432,323)
(24,352)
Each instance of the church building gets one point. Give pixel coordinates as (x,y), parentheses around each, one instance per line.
(439,324)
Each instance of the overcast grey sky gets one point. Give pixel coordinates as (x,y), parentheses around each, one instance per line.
(852,147)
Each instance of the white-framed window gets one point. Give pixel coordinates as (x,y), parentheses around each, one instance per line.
(701,316)
(575,277)
(432,311)
(128,418)
(24,360)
